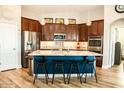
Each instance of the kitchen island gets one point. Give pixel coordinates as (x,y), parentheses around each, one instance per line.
(51,55)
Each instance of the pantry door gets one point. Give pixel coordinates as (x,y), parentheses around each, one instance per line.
(8,46)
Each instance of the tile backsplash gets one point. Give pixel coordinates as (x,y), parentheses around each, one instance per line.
(62,45)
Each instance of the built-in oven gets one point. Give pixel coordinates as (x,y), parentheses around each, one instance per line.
(95,43)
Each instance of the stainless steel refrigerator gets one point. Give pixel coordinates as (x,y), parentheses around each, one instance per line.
(29,42)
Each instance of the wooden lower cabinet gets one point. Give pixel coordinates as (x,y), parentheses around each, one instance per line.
(99,61)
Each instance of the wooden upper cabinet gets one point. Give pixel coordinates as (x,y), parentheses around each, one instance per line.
(29,24)
(96,28)
(48,32)
(24,24)
(72,32)
(83,33)
(60,28)
(33,25)
(93,30)
(100,27)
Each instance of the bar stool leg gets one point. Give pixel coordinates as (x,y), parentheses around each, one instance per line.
(46,75)
(86,74)
(95,73)
(91,68)
(37,66)
(83,71)
(53,72)
(63,73)
(46,72)
(69,71)
(79,72)
(70,74)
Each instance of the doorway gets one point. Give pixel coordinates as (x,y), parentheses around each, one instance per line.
(8,46)
(116,35)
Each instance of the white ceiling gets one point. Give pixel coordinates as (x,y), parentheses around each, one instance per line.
(59,8)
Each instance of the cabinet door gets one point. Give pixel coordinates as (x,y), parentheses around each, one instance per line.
(29,24)
(100,28)
(8,46)
(99,61)
(71,31)
(34,25)
(59,28)
(24,24)
(48,32)
(93,30)
(83,33)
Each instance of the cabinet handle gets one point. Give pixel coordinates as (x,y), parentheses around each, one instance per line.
(14,48)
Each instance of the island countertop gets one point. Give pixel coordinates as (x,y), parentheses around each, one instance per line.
(63,53)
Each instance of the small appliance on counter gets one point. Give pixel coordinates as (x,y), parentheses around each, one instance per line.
(78,45)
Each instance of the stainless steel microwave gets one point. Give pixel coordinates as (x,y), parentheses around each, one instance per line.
(59,36)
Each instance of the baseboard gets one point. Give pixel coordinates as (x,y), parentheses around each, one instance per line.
(19,66)
(106,67)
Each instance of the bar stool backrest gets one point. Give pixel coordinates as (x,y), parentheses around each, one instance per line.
(90,58)
(38,59)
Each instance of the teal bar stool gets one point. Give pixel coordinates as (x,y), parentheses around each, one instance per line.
(39,61)
(89,67)
(74,63)
(58,64)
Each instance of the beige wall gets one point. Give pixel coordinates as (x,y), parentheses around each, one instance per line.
(11,13)
(80,17)
(96,14)
(110,15)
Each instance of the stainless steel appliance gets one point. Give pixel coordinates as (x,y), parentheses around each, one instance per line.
(95,43)
(59,36)
(29,42)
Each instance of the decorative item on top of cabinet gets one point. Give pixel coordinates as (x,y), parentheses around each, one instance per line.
(96,28)
(48,20)
(72,21)
(82,32)
(59,20)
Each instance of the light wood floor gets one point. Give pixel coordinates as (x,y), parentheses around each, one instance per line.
(107,78)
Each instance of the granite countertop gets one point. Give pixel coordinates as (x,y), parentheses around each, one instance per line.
(67,49)
(63,53)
